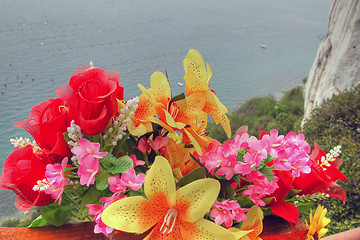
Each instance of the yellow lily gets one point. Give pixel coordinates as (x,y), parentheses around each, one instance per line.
(179,115)
(197,80)
(252,227)
(171,214)
(318,221)
(180,159)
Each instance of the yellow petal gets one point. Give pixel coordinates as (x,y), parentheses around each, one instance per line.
(240,234)
(132,214)
(193,84)
(171,122)
(194,62)
(190,107)
(197,197)
(193,141)
(204,230)
(253,221)
(141,129)
(161,88)
(159,183)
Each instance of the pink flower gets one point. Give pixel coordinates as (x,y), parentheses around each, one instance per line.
(222,216)
(87,148)
(101,227)
(261,188)
(239,214)
(131,180)
(158,143)
(143,145)
(87,170)
(56,191)
(228,161)
(116,185)
(55,172)
(56,177)
(135,161)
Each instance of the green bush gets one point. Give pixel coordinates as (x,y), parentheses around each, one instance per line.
(337,122)
(265,113)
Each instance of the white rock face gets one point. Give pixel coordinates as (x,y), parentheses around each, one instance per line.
(337,65)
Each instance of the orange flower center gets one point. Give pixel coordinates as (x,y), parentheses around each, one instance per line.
(169,221)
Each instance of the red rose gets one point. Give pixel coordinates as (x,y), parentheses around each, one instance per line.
(321,179)
(22,169)
(92,96)
(46,124)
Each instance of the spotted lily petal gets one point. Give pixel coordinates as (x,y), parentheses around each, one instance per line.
(134,214)
(198,196)
(204,230)
(159,185)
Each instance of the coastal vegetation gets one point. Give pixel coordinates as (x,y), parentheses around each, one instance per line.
(337,122)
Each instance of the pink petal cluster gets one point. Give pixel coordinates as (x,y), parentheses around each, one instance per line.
(87,154)
(97,210)
(289,153)
(159,144)
(227,211)
(129,179)
(56,177)
(261,188)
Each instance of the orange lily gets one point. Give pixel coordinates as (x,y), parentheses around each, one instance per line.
(172,214)
(173,115)
(197,80)
(252,227)
(180,159)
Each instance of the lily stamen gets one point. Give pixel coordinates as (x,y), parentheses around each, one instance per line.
(169,219)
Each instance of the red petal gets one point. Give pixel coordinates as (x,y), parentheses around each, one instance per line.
(286,211)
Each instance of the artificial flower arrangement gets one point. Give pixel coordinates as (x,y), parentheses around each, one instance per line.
(147,163)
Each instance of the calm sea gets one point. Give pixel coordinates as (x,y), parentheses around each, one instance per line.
(43,41)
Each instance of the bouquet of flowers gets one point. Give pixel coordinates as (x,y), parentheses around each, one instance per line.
(148,164)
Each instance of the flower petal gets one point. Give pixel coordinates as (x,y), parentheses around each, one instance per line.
(204,230)
(159,183)
(132,214)
(196,198)
(253,221)
(155,234)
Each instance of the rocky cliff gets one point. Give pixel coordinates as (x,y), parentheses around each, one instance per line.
(337,64)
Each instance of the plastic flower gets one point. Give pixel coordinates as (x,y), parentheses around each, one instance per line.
(318,221)
(131,180)
(197,80)
(252,227)
(176,214)
(89,166)
(86,148)
(178,114)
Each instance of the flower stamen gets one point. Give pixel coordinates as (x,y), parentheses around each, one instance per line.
(169,221)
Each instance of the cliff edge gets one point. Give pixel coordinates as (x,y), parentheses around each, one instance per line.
(337,65)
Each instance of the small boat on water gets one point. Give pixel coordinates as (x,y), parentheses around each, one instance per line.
(263,46)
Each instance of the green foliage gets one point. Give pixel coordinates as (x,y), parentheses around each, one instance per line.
(337,122)
(265,113)
(56,214)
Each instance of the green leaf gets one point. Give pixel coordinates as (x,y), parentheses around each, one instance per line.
(304,207)
(116,165)
(91,196)
(267,172)
(101,180)
(198,173)
(38,222)
(56,214)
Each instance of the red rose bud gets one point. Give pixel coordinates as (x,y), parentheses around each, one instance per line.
(92,96)
(46,124)
(22,170)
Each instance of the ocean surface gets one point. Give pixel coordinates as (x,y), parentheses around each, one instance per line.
(43,41)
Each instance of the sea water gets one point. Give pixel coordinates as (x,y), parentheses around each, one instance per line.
(254,48)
